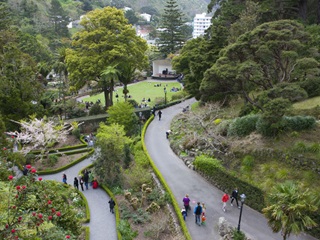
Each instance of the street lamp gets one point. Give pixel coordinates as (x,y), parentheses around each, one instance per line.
(243,197)
(165,96)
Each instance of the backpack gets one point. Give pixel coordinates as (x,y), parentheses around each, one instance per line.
(198,210)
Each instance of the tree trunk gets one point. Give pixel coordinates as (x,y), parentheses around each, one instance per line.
(106,98)
(303,9)
(111,92)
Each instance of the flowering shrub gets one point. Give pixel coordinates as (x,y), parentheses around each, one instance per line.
(36,209)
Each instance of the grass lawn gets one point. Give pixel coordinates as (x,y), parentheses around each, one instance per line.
(138,91)
(307,104)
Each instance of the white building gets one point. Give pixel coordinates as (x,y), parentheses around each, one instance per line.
(146,16)
(201,22)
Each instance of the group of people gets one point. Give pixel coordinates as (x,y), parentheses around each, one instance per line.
(83,180)
(199,210)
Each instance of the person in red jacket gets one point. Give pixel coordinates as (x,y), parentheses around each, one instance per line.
(225,199)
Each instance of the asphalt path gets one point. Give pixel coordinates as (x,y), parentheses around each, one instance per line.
(183,180)
(102,223)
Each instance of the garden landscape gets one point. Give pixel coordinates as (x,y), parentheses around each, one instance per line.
(87,117)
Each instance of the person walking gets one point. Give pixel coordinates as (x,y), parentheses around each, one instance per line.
(224,199)
(186,203)
(234,196)
(203,215)
(86,179)
(197,212)
(184,213)
(159,114)
(168,133)
(64,178)
(76,183)
(111,205)
(81,183)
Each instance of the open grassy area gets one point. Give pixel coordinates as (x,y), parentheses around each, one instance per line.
(140,90)
(307,104)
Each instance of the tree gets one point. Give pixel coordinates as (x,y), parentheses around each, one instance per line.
(131,16)
(112,143)
(105,40)
(123,114)
(126,75)
(108,76)
(59,19)
(289,209)
(171,37)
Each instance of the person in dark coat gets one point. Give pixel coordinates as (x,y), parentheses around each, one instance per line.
(159,114)
(86,179)
(76,183)
(64,178)
(234,196)
(111,205)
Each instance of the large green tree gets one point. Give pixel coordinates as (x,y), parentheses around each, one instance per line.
(105,40)
(171,36)
(112,142)
(289,209)
(270,54)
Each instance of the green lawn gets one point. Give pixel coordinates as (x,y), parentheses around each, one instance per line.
(307,104)
(140,90)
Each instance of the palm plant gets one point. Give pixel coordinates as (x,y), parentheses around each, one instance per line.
(290,208)
(106,83)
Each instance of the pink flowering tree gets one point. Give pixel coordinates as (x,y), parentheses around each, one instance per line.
(34,209)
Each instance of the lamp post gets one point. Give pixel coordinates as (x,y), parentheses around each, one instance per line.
(140,117)
(165,96)
(243,197)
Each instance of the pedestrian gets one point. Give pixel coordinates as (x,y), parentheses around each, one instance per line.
(95,184)
(81,183)
(111,205)
(225,199)
(184,213)
(159,114)
(86,179)
(64,178)
(203,215)
(186,203)
(197,211)
(25,170)
(76,183)
(234,196)
(154,111)
(168,133)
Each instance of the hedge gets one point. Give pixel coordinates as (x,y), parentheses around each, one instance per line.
(164,183)
(52,171)
(227,182)
(87,219)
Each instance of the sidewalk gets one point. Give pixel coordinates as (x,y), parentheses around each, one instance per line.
(183,180)
(102,222)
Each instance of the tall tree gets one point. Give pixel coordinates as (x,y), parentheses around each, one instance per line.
(289,209)
(171,36)
(106,83)
(59,19)
(105,40)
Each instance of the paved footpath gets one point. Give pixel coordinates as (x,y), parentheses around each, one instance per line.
(183,180)
(102,223)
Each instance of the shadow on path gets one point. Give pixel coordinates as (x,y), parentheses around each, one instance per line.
(183,180)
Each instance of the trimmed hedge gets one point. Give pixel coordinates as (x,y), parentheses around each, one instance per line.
(164,183)
(227,182)
(52,171)
(87,219)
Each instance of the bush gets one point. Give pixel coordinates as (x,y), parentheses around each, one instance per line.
(126,232)
(52,160)
(96,109)
(243,126)
(222,128)
(311,86)
(298,123)
(214,171)
(178,95)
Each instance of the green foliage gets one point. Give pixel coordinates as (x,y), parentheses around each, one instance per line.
(112,142)
(311,86)
(213,170)
(52,159)
(292,92)
(289,208)
(126,231)
(299,123)
(243,126)
(123,114)
(96,109)
(247,163)
(238,235)
(178,95)
(135,176)
(140,216)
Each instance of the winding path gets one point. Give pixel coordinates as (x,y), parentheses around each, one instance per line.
(183,180)
(102,223)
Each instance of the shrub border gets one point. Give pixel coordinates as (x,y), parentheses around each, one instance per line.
(87,219)
(164,183)
(52,171)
